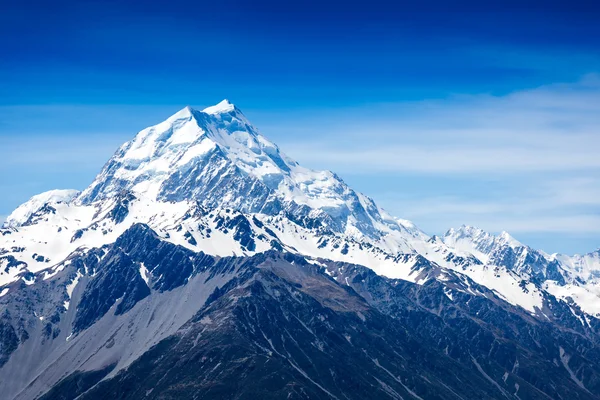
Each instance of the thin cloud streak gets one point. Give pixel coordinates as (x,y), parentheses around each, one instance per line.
(91,151)
(450,160)
(526,162)
(497,217)
(552,128)
(563,206)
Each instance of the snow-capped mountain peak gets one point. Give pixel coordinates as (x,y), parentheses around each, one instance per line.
(475,240)
(177,146)
(508,239)
(217,157)
(24,212)
(470,239)
(586,266)
(223,107)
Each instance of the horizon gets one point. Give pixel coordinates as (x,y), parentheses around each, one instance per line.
(488,119)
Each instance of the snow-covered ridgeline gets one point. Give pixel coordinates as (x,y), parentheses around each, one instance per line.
(188,174)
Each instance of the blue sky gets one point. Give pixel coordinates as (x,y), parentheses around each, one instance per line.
(445,114)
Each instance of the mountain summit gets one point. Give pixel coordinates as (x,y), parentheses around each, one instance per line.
(217,157)
(223,107)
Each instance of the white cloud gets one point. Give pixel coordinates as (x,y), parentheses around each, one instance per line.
(552,128)
(436,214)
(460,158)
(559,206)
(525,162)
(90,150)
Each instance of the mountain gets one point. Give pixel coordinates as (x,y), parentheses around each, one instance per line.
(21,216)
(505,251)
(572,278)
(202,262)
(218,157)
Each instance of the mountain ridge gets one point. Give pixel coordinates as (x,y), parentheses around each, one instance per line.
(217,157)
(200,219)
(222,309)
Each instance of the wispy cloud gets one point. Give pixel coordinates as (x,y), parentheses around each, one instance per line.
(528,161)
(551,128)
(90,151)
(459,158)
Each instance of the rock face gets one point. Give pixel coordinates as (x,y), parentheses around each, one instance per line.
(204,263)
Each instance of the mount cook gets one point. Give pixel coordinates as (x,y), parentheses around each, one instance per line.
(202,262)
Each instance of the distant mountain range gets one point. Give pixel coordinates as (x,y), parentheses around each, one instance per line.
(202,262)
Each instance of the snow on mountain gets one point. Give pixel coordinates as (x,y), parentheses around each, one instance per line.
(572,278)
(478,242)
(223,107)
(216,231)
(505,251)
(209,181)
(217,156)
(585,266)
(27,209)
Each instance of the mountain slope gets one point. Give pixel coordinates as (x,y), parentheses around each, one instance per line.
(572,278)
(278,325)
